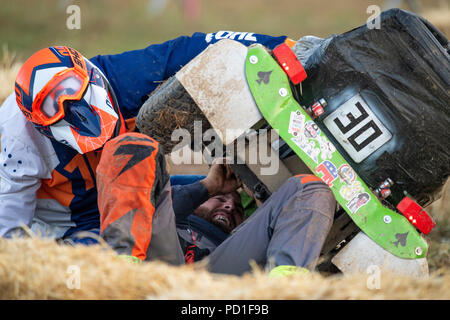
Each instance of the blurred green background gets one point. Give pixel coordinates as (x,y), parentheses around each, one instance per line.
(114,26)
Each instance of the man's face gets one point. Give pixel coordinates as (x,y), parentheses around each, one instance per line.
(225,211)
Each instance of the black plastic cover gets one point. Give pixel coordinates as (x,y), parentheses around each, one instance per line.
(402,70)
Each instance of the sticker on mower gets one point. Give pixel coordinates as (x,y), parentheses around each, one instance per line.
(346,174)
(348,192)
(351,187)
(296,124)
(328,171)
(311,130)
(326,148)
(302,133)
(308,147)
(358,201)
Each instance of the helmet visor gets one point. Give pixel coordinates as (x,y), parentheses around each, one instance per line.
(68,88)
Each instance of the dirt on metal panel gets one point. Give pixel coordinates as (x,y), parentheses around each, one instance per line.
(216,81)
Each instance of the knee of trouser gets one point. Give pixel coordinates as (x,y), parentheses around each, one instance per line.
(328,203)
(131,138)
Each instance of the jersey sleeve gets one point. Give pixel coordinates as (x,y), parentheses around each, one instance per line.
(134,74)
(21,171)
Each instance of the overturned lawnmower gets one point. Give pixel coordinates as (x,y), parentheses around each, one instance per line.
(367,112)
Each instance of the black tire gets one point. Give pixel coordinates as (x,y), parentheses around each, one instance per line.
(169,107)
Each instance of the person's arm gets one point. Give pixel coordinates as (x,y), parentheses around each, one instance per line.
(135,74)
(21,170)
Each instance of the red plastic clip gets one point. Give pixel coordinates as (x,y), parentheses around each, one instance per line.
(289,62)
(416,215)
(317,109)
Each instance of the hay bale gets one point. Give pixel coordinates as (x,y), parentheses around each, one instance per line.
(44,270)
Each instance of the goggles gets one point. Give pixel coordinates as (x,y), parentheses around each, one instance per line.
(68,84)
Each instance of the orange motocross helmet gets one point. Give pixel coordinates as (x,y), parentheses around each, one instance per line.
(68,99)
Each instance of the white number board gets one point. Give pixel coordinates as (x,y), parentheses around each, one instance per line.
(357,129)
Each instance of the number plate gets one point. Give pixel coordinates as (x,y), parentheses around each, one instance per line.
(357,129)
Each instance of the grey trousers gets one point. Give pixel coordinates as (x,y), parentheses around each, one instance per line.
(290,228)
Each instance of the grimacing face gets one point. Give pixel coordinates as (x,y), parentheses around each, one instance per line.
(225,211)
